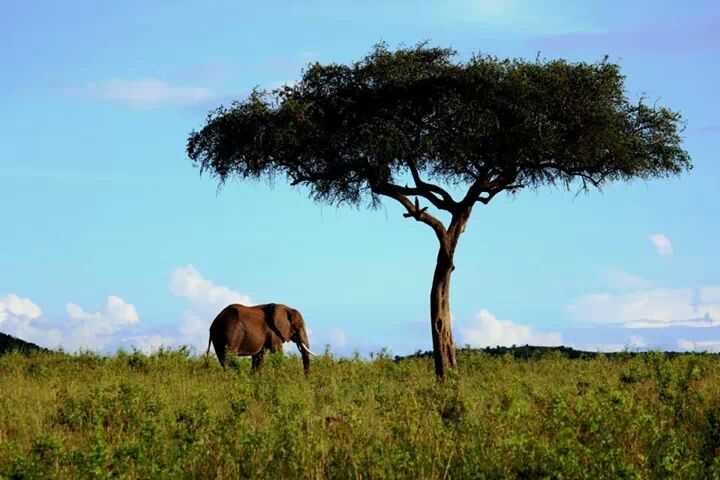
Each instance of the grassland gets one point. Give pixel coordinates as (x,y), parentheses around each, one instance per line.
(170,416)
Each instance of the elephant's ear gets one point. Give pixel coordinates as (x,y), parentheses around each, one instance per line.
(280,322)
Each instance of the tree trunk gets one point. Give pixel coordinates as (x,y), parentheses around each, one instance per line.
(443,343)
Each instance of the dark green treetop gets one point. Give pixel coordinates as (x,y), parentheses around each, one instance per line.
(357,131)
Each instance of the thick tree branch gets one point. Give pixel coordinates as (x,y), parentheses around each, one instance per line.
(413,209)
(473,194)
(485,200)
(430,191)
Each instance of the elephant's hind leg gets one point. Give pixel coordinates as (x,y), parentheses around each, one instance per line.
(257,360)
(221,352)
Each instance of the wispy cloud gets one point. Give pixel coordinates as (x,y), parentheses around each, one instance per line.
(656,308)
(661,243)
(338,339)
(147,93)
(633,343)
(697,35)
(707,130)
(623,280)
(699,346)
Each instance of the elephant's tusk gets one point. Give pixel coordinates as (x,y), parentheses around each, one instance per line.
(307,349)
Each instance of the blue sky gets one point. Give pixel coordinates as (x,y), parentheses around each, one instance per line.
(109,237)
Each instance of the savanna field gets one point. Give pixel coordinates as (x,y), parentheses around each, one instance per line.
(169,415)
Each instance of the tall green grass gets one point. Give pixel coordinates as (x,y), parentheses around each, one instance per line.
(169,416)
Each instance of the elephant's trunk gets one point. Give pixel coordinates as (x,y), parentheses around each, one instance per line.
(303,346)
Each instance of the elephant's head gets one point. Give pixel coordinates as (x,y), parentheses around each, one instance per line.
(289,325)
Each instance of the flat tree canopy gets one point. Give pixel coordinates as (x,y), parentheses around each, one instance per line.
(408,124)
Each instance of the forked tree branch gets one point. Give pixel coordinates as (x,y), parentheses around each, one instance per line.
(491,188)
(473,194)
(430,191)
(491,194)
(413,209)
(417,192)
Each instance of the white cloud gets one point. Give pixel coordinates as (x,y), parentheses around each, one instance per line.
(22,318)
(661,243)
(485,330)
(114,315)
(147,93)
(701,346)
(187,282)
(12,305)
(650,309)
(338,339)
(95,330)
(16,318)
(709,294)
(206,300)
(194,330)
(117,322)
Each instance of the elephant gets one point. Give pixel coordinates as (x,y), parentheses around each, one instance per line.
(243,330)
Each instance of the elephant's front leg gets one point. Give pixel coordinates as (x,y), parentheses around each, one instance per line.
(257,360)
(274,344)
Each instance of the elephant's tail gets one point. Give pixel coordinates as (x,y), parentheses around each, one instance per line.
(207,352)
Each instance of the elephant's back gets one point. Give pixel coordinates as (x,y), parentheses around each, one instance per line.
(239,328)
(236,313)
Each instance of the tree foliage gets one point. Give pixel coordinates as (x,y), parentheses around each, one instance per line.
(353,132)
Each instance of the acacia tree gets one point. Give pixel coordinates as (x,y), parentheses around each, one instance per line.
(413,125)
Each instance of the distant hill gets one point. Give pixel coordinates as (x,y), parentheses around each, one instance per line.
(9,343)
(527,352)
(524,352)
